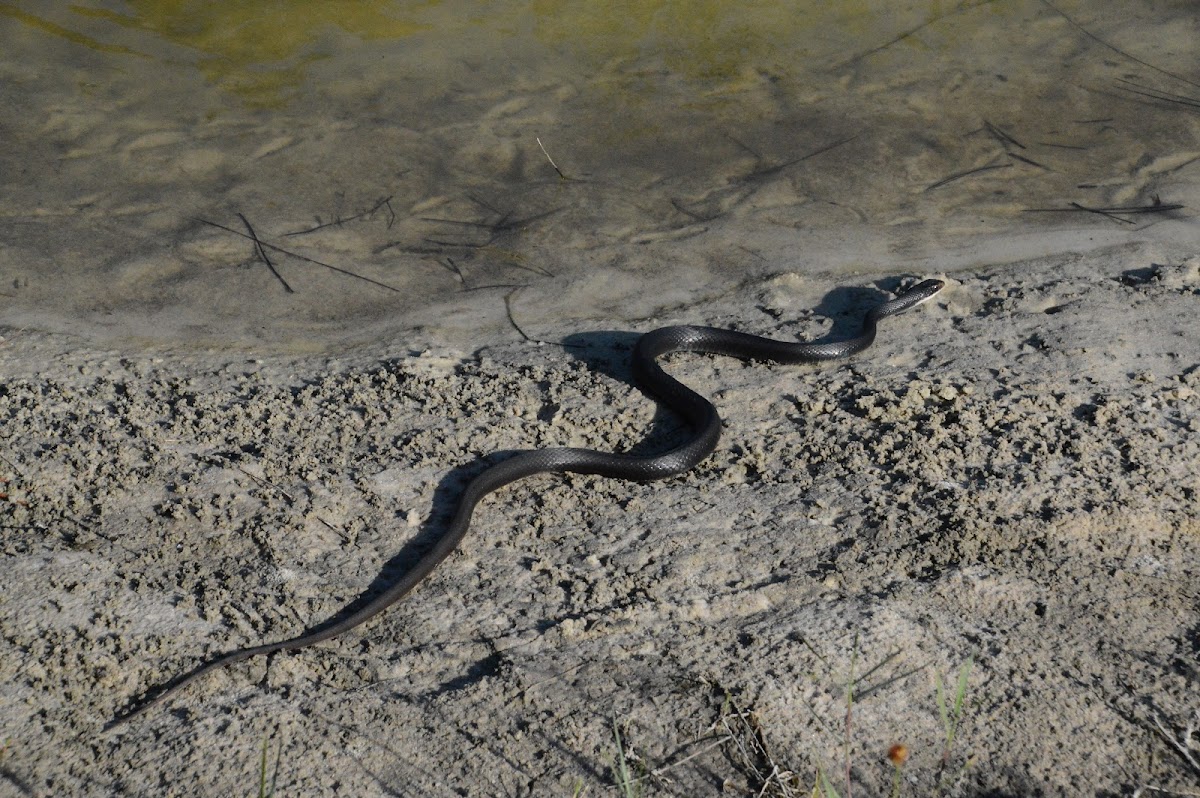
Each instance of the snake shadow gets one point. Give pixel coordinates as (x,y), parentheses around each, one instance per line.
(606,352)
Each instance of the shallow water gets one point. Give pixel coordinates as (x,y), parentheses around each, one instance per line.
(445,171)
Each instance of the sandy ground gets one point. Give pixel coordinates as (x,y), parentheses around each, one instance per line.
(1007,479)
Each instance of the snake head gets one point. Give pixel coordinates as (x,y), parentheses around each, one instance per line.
(923,291)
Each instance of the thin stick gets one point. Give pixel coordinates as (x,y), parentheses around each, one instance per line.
(1061,146)
(551,160)
(340,221)
(1029,161)
(695,217)
(968,173)
(1165,96)
(298,256)
(1103,43)
(262,253)
(1101,212)
(508,311)
(908,33)
(1111,213)
(1184,744)
(659,771)
(1001,135)
(453,268)
(819,151)
(225,461)
(1158,94)
(1157,207)
(505,224)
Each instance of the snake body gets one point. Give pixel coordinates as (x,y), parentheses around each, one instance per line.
(700,414)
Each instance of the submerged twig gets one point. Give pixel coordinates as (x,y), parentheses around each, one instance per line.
(695,217)
(262,253)
(264,245)
(1158,94)
(1157,206)
(454,269)
(910,32)
(1001,135)
(1103,43)
(505,224)
(385,202)
(968,173)
(1029,161)
(551,160)
(815,153)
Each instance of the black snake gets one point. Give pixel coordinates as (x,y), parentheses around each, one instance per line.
(698,411)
